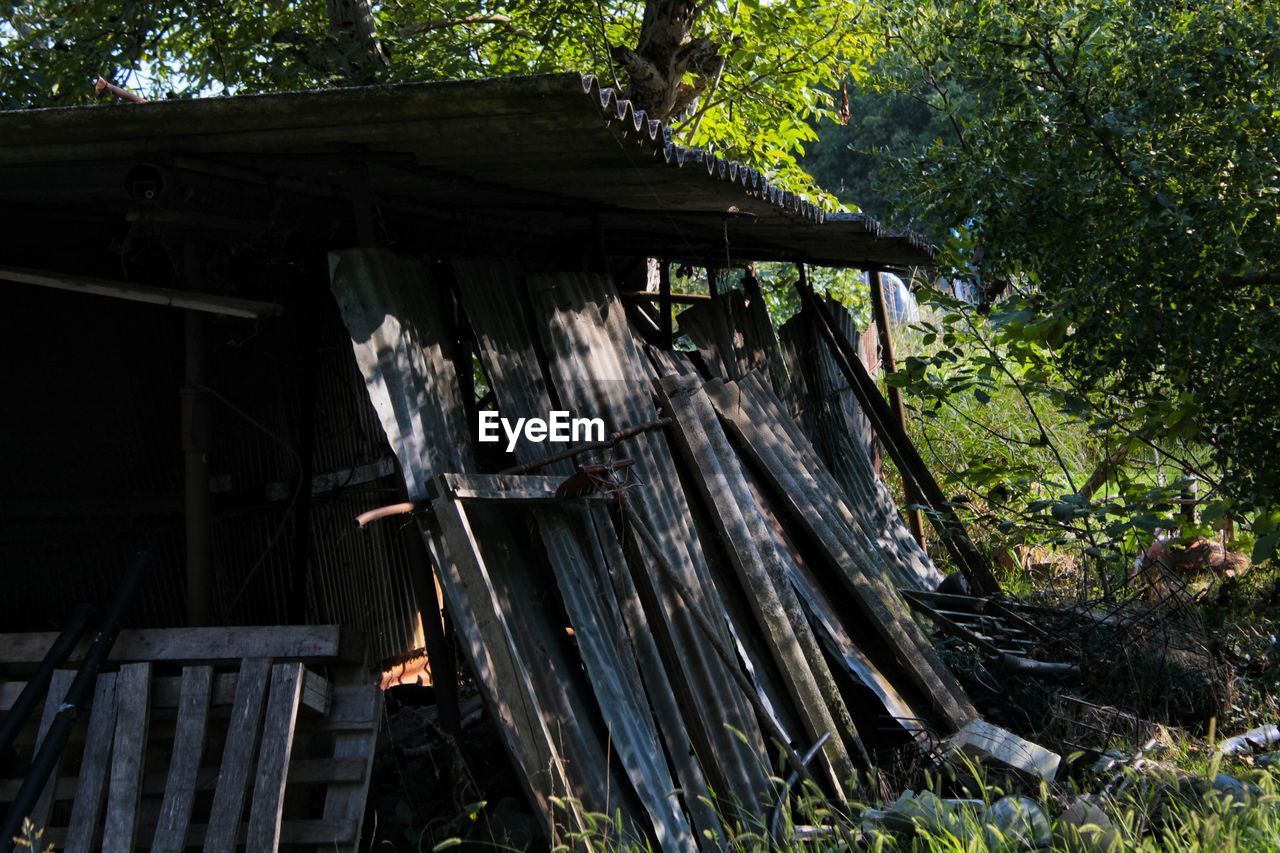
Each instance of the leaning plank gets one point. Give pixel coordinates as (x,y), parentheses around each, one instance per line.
(238,755)
(597,372)
(184,761)
(503,677)
(95,764)
(273,760)
(128,751)
(496,300)
(758,565)
(308,643)
(58,686)
(813,498)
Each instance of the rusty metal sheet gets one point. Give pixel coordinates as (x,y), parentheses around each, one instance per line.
(842,436)
(599,373)
(495,299)
(755,415)
(395,312)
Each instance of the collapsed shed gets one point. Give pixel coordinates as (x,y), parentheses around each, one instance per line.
(657,625)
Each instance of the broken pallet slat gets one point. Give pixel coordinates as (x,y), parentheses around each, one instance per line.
(357,702)
(128,753)
(58,686)
(278,727)
(322,643)
(166,692)
(238,755)
(184,763)
(95,765)
(813,498)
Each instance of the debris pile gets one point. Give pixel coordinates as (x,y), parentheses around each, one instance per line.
(715,601)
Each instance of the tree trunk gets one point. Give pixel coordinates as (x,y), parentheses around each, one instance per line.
(667,50)
(352,27)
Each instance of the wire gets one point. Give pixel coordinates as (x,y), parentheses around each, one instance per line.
(293,500)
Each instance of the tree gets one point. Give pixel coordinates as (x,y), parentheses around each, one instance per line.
(752,76)
(1116,174)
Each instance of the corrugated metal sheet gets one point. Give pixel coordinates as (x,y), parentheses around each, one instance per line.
(557,154)
(599,373)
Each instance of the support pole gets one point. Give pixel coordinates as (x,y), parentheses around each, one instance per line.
(664,303)
(880,310)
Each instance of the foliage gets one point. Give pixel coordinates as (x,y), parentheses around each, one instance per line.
(855,161)
(783,59)
(1134,225)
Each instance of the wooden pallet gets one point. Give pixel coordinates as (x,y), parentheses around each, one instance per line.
(258,752)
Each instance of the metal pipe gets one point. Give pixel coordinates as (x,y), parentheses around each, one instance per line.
(880,311)
(80,691)
(612,439)
(38,684)
(640,296)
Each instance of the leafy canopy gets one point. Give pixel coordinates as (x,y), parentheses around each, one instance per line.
(782,58)
(1117,171)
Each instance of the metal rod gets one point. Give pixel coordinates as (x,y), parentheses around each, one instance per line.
(650,296)
(899,445)
(880,310)
(209,303)
(790,783)
(80,691)
(609,441)
(38,684)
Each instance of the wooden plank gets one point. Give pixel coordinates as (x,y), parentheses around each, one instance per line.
(212,303)
(273,760)
(759,568)
(502,675)
(58,686)
(813,498)
(307,643)
(184,761)
(238,755)
(95,764)
(352,749)
(128,752)
(302,771)
(328,835)
(317,692)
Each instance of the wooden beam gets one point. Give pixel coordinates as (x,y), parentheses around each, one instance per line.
(880,310)
(227,306)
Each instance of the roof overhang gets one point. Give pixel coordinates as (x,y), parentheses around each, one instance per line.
(553,155)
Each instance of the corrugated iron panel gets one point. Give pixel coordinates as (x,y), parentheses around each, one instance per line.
(494,580)
(496,300)
(599,373)
(495,146)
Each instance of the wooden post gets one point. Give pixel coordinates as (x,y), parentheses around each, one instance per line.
(880,310)
(664,302)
